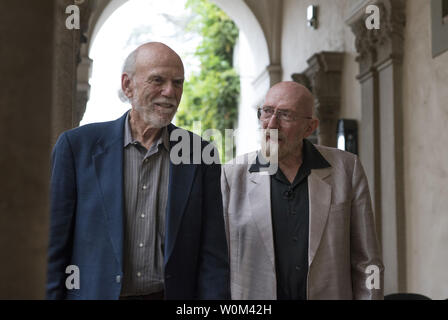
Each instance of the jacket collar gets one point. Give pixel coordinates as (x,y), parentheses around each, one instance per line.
(312,159)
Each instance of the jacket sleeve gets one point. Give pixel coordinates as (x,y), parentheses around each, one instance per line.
(366,263)
(214,270)
(225,190)
(62,212)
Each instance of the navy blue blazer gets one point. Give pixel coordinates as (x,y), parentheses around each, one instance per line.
(86,226)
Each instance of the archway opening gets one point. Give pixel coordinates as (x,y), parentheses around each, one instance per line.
(123,25)
(128,26)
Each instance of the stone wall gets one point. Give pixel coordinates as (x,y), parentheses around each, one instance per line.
(425,118)
(299,43)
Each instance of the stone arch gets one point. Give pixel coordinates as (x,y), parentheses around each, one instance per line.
(248,23)
(267,70)
(237,10)
(102,12)
(264,74)
(99,12)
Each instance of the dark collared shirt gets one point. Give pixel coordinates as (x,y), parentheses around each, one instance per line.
(290,223)
(146,175)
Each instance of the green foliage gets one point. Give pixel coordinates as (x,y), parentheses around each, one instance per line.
(211,95)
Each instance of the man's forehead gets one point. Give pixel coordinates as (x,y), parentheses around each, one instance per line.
(285,97)
(277,99)
(159,61)
(163,71)
(156,59)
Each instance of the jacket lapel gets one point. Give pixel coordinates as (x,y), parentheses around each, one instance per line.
(259,197)
(179,188)
(108,160)
(180,183)
(319,200)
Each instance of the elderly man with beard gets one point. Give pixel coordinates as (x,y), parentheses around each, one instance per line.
(126,222)
(305,230)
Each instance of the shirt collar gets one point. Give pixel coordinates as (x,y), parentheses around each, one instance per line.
(128,139)
(127,132)
(312,159)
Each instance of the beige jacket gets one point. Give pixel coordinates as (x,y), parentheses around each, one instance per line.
(342,237)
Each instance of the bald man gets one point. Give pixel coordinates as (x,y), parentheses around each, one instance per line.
(126,221)
(306,229)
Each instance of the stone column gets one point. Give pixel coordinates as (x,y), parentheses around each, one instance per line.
(275,73)
(369,144)
(25,132)
(67,102)
(269,15)
(380,54)
(323,78)
(64,71)
(38,72)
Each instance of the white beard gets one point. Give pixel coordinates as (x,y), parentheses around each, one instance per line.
(150,116)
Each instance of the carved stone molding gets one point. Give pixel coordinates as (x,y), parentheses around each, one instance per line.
(83,63)
(323,78)
(378,45)
(83,86)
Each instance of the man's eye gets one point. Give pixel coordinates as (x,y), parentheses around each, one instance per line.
(157,80)
(268,110)
(284,115)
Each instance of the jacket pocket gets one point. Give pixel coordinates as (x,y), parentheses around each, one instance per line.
(340,206)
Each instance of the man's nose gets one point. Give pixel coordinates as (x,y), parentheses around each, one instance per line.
(168,89)
(272,123)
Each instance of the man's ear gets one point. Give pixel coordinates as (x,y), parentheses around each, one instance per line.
(126,85)
(314,123)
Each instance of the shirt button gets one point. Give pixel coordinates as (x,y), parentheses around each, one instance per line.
(146,160)
(140,245)
(145,187)
(295,239)
(139,274)
(297,268)
(118,279)
(142,215)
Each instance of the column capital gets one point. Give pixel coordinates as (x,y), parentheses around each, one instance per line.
(376,46)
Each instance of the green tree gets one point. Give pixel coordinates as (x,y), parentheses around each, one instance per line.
(211,95)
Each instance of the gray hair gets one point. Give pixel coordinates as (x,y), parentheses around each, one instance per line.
(128,68)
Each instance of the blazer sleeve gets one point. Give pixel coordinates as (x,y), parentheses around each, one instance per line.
(225,190)
(366,263)
(214,270)
(62,212)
